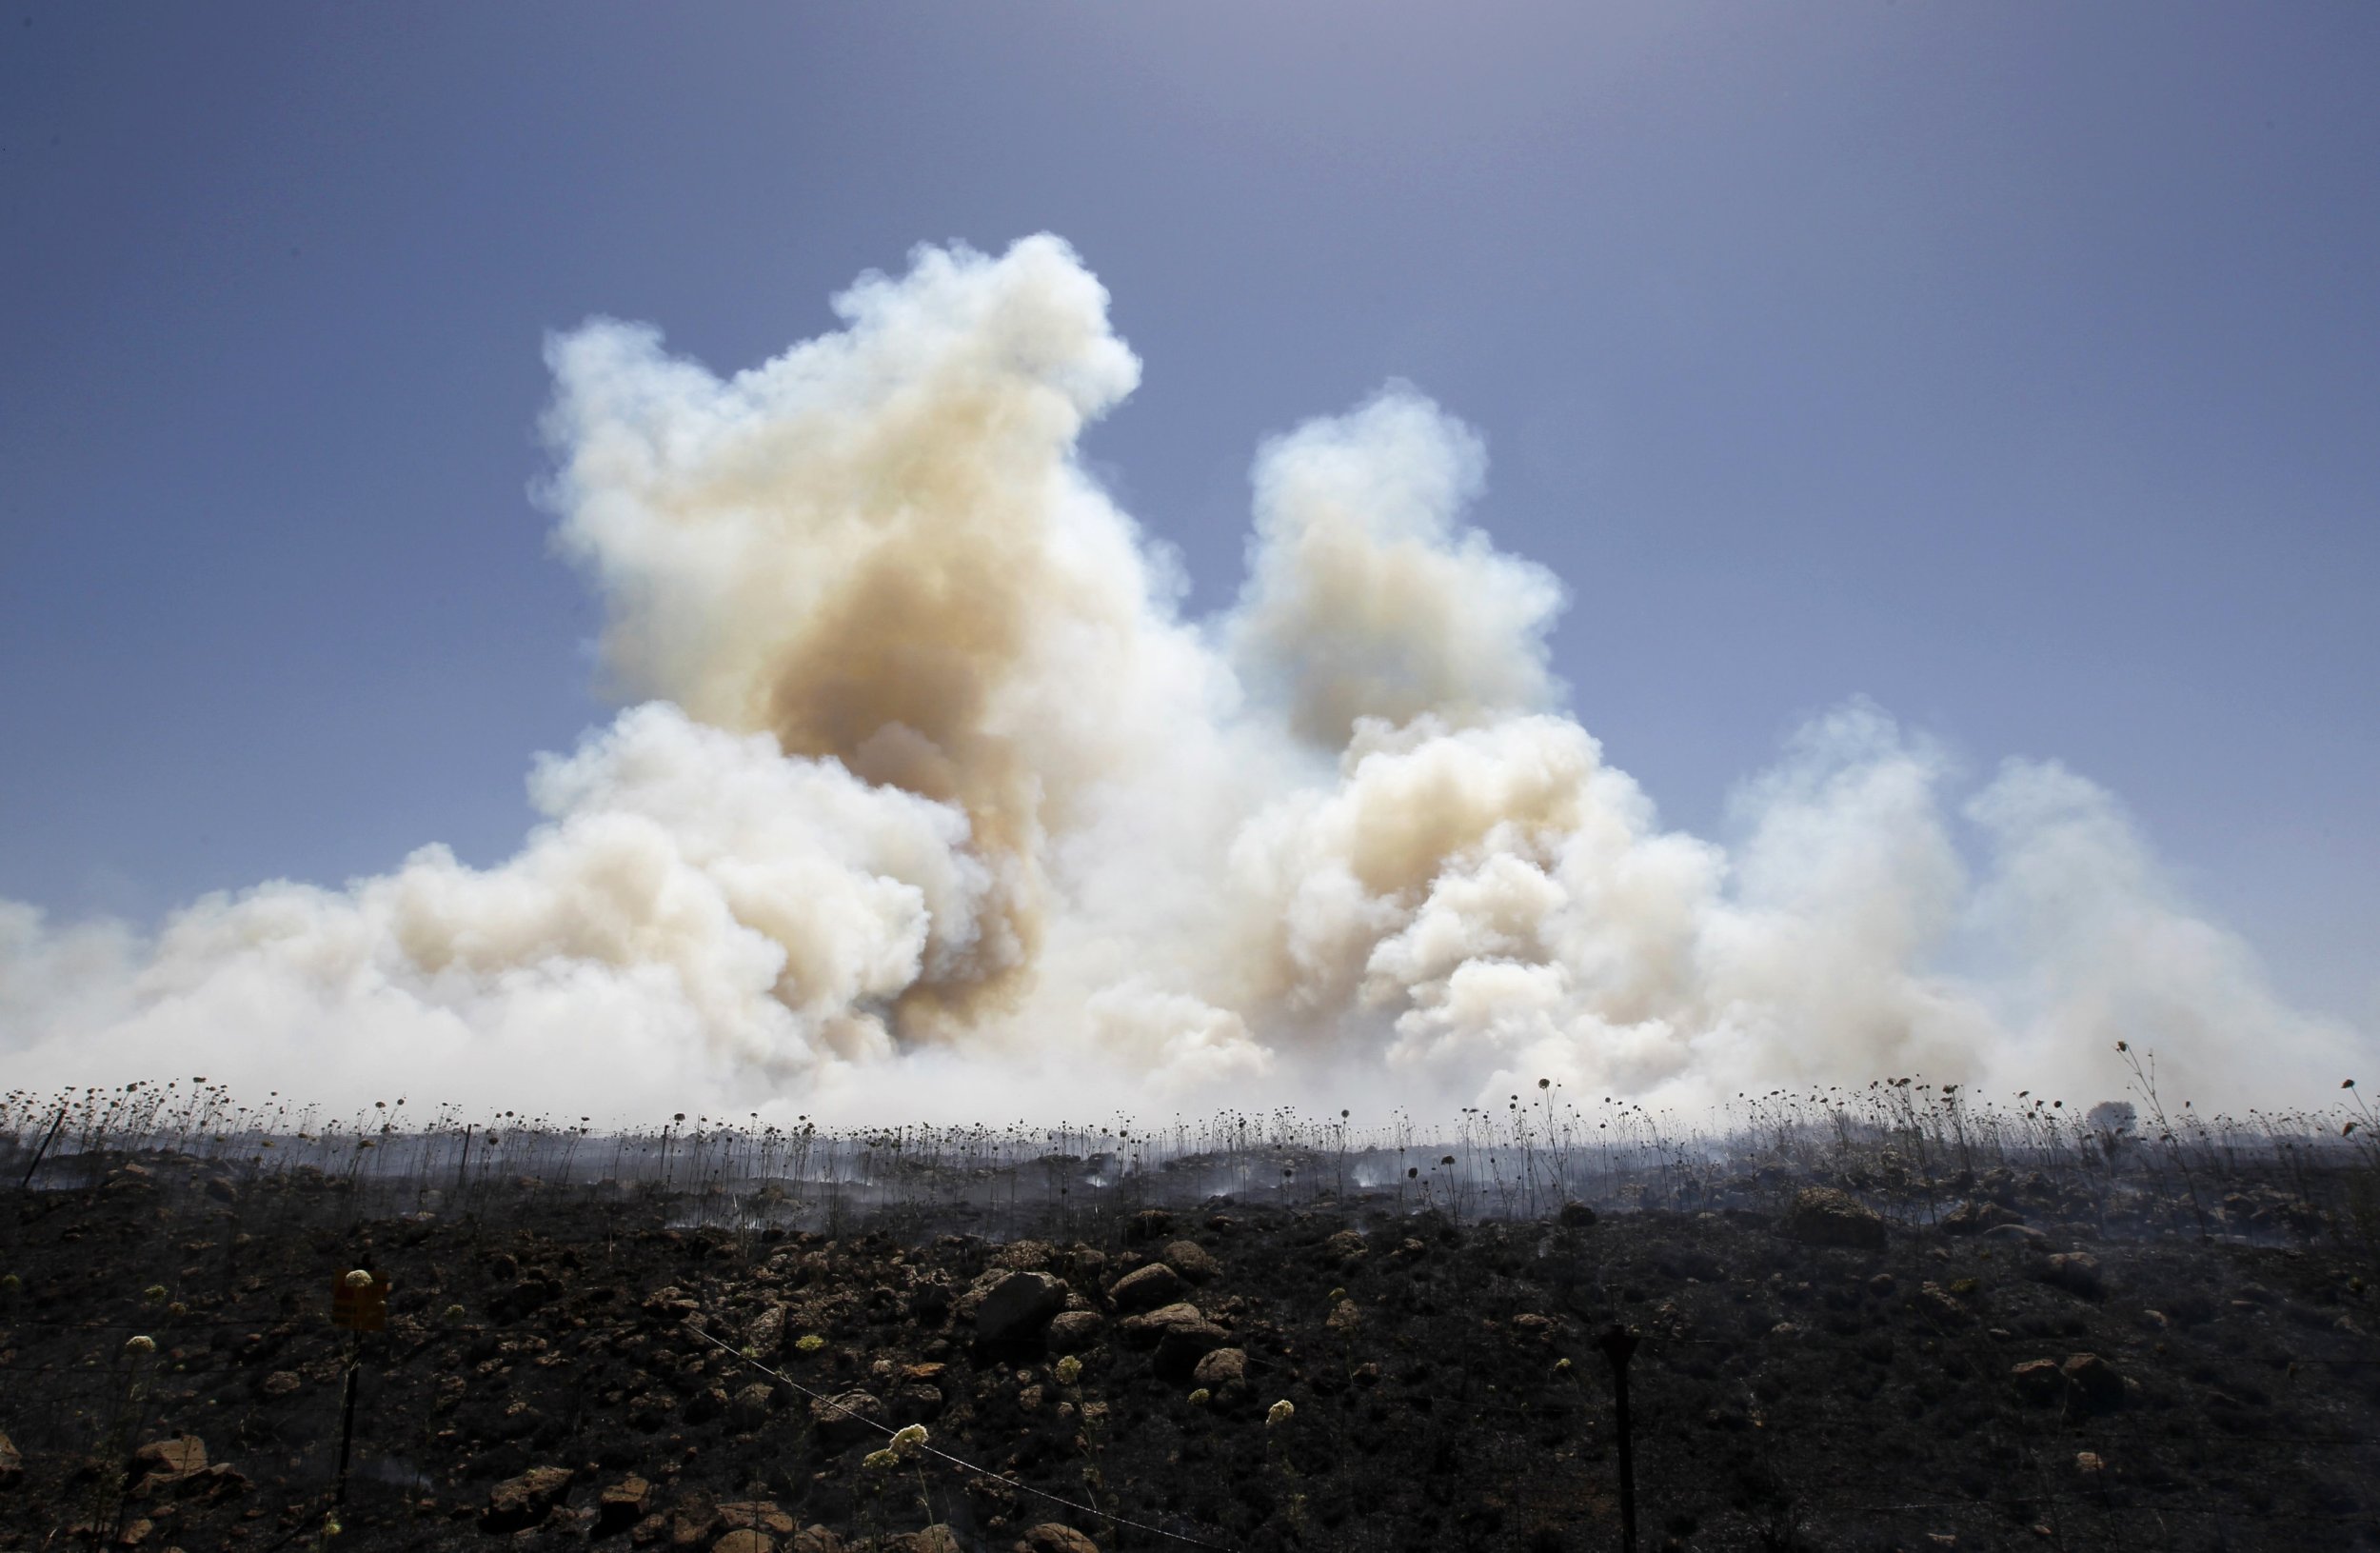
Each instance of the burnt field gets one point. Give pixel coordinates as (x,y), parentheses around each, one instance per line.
(1843,1345)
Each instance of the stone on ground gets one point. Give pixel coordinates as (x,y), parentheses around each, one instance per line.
(1824,1216)
(1145,1288)
(518,1504)
(1018,1306)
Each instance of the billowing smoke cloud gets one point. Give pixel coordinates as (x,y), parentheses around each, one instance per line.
(1365,600)
(930,803)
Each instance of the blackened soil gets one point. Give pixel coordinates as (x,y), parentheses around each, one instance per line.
(559,1370)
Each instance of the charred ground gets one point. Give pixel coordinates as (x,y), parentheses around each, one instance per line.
(594,1364)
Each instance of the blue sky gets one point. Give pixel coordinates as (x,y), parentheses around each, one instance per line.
(2018,366)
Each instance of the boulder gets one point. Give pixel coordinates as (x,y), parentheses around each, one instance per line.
(2094,1385)
(1151,1224)
(518,1504)
(622,1506)
(934,1539)
(845,1420)
(693,1519)
(1018,1306)
(1053,1536)
(760,1515)
(748,1410)
(1193,1260)
(1826,1216)
(1222,1369)
(162,1463)
(1147,1331)
(1071,1331)
(1346,1246)
(1184,1345)
(1145,1288)
(1025,1256)
(1574,1216)
(12,1464)
(2077,1272)
(816,1540)
(745,1540)
(930,1302)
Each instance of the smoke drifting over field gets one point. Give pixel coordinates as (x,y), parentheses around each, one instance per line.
(929,802)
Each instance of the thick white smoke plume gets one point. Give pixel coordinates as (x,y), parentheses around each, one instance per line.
(932,805)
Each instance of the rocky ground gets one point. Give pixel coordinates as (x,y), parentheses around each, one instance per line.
(567,1366)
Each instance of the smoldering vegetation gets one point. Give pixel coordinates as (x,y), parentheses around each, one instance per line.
(1919,1154)
(1872,1319)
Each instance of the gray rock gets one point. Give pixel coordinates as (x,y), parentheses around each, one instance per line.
(848,1420)
(1147,1331)
(746,1540)
(622,1506)
(1223,1369)
(934,1539)
(2095,1385)
(1193,1260)
(760,1515)
(162,1463)
(1145,1288)
(1184,1345)
(1018,1306)
(1151,1223)
(518,1504)
(2077,1272)
(1071,1331)
(766,1334)
(750,1407)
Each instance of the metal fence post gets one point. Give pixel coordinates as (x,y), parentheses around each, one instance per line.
(1620,1344)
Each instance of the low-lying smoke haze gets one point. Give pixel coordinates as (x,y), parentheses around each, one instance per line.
(928,801)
